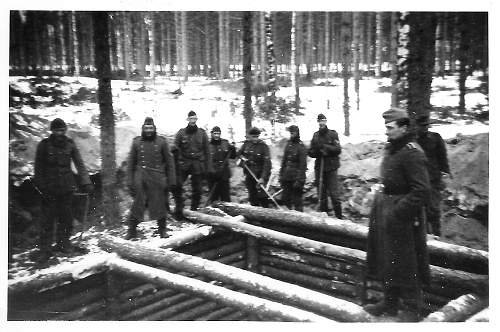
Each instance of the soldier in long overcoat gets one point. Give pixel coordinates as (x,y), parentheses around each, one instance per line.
(254,153)
(293,170)
(397,250)
(56,182)
(194,160)
(150,171)
(325,147)
(220,153)
(435,151)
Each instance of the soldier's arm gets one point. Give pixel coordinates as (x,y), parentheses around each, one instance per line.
(169,164)
(40,165)
(333,149)
(283,161)
(79,165)
(442,155)
(314,150)
(267,164)
(206,152)
(302,163)
(415,170)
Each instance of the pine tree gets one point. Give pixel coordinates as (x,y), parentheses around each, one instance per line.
(74,38)
(247,69)
(294,65)
(394,58)
(346,64)
(379,44)
(356,28)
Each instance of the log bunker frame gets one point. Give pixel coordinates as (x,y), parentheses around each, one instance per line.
(260,264)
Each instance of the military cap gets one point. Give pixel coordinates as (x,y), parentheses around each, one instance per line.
(321,117)
(423,120)
(393,114)
(191,113)
(254,131)
(293,128)
(57,123)
(148,121)
(216,129)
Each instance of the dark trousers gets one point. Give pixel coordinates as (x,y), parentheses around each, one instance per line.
(195,190)
(433,211)
(219,190)
(56,211)
(329,188)
(256,196)
(292,196)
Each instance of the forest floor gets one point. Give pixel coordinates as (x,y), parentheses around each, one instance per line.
(34,102)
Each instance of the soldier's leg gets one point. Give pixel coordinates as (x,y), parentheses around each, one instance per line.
(322,191)
(65,222)
(196,182)
(47,221)
(333,189)
(286,194)
(252,191)
(178,194)
(162,227)
(434,211)
(224,192)
(297,198)
(213,191)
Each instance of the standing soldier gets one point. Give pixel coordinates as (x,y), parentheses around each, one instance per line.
(218,179)
(397,249)
(293,170)
(193,159)
(150,172)
(56,182)
(255,157)
(325,147)
(435,151)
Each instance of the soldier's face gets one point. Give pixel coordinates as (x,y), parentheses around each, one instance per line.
(322,123)
(254,138)
(393,131)
(216,136)
(148,130)
(422,129)
(293,134)
(59,132)
(192,120)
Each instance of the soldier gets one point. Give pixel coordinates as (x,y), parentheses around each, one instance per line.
(435,151)
(56,182)
(293,170)
(193,159)
(254,155)
(150,172)
(325,147)
(220,153)
(397,250)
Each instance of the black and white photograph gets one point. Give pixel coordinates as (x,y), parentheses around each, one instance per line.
(248,164)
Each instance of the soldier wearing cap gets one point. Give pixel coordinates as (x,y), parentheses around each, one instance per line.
(435,150)
(220,153)
(56,182)
(397,250)
(254,153)
(325,147)
(194,160)
(293,170)
(150,171)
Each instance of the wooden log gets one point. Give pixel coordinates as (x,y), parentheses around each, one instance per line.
(222,295)
(213,241)
(224,250)
(144,311)
(136,292)
(139,303)
(187,304)
(216,314)
(450,255)
(98,316)
(237,315)
(458,310)
(113,290)
(252,254)
(465,281)
(85,310)
(482,316)
(184,238)
(198,311)
(235,257)
(275,237)
(257,284)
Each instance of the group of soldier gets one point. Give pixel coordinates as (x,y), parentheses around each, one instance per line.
(404,210)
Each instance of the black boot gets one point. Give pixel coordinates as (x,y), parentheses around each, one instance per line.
(388,306)
(337,208)
(161,227)
(132,229)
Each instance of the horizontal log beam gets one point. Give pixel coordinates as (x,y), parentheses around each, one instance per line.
(454,256)
(482,316)
(220,294)
(216,314)
(255,283)
(458,310)
(198,311)
(86,310)
(188,303)
(186,237)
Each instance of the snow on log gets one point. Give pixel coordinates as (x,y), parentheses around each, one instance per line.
(58,275)
(456,256)
(482,316)
(458,310)
(186,237)
(243,301)
(257,284)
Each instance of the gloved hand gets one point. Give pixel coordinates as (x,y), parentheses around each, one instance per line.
(88,188)
(259,183)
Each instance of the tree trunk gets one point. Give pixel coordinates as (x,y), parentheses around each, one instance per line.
(223,45)
(261,285)
(61,52)
(394,59)
(271,73)
(458,310)
(327,44)
(379,43)
(127,36)
(262,39)
(141,47)
(309,46)
(206,67)
(184,46)
(420,61)
(369,41)
(294,65)
(106,119)
(356,40)
(218,293)
(453,37)
(119,40)
(439,46)
(76,55)
(247,69)
(299,31)
(152,46)
(50,43)
(463,56)
(112,22)
(170,62)
(346,64)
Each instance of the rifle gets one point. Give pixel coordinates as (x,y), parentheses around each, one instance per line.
(261,186)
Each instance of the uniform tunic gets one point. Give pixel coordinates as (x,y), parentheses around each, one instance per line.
(220,153)
(293,173)
(397,248)
(150,170)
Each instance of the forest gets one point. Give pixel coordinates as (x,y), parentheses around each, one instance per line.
(264,66)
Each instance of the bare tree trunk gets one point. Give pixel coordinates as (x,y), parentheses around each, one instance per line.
(394,59)
(346,63)
(106,119)
(247,69)
(127,36)
(119,39)
(184,46)
(255,45)
(62,44)
(170,61)
(152,45)
(223,46)
(439,47)
(369,40)
(453,19)
(463,56)
(402,56)
(309,46)
(294,66)
(178,46)
(356,28)
(362,43)
(263,58)
(271,72)
(379,44)
(50,42)
(206,67)
(327,44)
(141,47)
(299,32)
(76,61)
